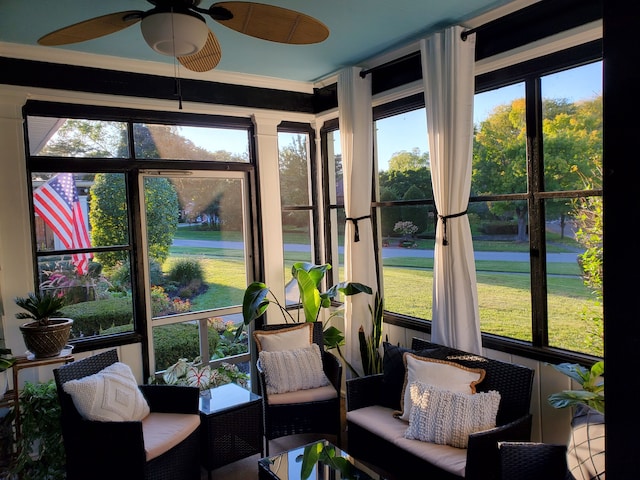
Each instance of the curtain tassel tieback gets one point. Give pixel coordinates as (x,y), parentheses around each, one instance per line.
(444,224)
(356,236)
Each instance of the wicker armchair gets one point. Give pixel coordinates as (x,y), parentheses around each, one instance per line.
(308,417)
(116,450)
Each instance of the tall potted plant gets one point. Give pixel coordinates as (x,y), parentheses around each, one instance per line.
(309,279)
(46,334)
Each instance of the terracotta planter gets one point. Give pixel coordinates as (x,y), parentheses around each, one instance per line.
(49,340)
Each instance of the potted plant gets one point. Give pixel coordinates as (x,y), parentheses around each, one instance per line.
(591,381)
(586,449)
(309,278)
(46,334)
(40,451)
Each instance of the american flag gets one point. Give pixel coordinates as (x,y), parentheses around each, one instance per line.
(57,203)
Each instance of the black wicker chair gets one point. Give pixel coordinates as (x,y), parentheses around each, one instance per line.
(115,450)
(309,417)
(533,461)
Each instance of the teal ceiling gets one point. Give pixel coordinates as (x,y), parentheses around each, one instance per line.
(359,29)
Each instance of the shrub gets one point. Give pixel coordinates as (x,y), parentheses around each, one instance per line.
(92,318)
(186,272)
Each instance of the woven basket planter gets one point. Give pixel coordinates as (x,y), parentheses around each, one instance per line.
(46,340)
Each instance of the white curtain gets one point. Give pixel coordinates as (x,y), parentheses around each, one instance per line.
(355,116)
(447,71)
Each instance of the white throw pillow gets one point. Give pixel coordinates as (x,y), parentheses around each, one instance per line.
(448,418)
(447,375)
(111,395)
(298,336)
(293,370)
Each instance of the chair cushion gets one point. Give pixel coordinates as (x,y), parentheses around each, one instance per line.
(163,431)
(440,373)
(380,421)
(448,418)
(292,370)
(111,395)
(297,336)
(304,396)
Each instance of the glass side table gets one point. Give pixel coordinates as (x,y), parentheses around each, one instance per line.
(320,464)
(230,426)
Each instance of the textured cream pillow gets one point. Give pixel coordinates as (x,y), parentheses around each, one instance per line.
(293,370)
(448,418)
(298,336)
(448,375)
(111,395)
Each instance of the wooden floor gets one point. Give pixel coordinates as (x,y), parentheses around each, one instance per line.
(247,469)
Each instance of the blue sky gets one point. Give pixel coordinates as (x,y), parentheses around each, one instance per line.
(408,131)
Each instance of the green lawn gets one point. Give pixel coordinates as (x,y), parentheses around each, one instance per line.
(503,289)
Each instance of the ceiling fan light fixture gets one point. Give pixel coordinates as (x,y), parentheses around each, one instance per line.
(174,34)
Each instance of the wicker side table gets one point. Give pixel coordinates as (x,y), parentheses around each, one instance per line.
(231,426)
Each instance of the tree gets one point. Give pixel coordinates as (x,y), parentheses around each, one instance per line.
(86,138)
(108,216)
(572,138)
(414,160)
(294,178)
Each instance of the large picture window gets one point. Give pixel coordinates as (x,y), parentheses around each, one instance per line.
(538,290)
(147,241)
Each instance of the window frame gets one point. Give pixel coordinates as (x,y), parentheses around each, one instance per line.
(132,168)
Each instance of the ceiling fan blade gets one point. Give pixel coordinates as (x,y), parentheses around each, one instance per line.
(206,59)
(269,22)
(92,28)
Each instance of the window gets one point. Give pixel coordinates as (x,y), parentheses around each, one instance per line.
(153,248)
(535,209)
(298,199)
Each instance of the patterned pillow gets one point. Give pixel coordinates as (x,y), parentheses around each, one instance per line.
(298,336)
(448,418)
(111,395)
(448,375)
(293,370)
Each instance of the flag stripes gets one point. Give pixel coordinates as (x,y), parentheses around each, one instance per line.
(58,204)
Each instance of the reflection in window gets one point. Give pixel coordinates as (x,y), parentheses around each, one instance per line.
(172,142)
(78,138)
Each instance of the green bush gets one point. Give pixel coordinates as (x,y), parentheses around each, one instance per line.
(92,318)
(172,342)
(186,272)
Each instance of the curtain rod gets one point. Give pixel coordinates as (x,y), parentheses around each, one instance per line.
(365,72)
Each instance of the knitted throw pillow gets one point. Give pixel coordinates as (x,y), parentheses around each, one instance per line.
(293,370)
(111,395)
(440,373)
(448,418)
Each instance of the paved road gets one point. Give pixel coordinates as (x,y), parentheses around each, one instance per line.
(390,252)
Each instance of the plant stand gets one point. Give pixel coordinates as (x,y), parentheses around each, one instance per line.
(11,398)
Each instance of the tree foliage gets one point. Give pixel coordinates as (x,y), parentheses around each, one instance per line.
(108,216)
(572,134)
(86,138)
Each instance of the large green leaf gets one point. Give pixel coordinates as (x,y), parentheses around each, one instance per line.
(255,302)
(309,295)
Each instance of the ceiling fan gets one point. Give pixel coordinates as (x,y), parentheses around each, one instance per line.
(177,28)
